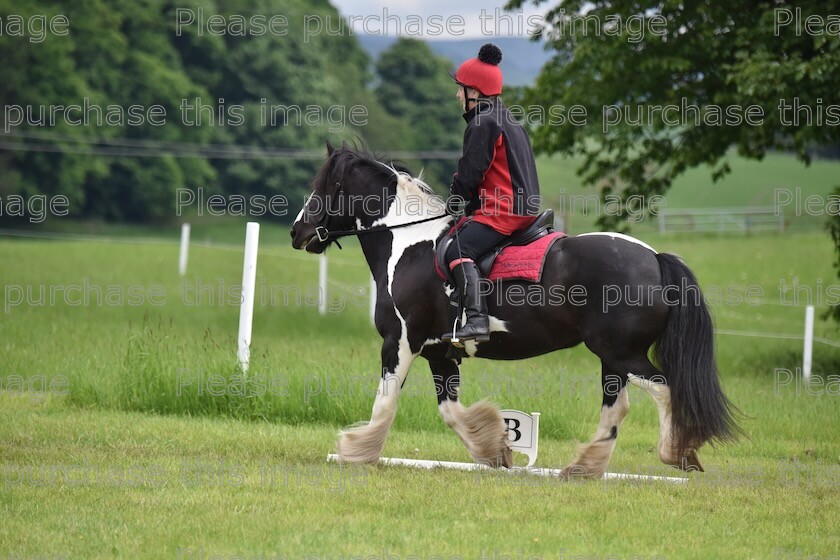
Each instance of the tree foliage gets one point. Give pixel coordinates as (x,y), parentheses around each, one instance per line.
(711,54)
(127,52)
(116,53)
(415,86)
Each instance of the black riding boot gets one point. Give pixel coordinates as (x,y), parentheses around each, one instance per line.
(477,327)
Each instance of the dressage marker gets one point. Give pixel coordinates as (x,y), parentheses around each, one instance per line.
(523,433)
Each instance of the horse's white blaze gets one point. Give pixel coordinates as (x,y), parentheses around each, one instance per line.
(302,210)
(616,235)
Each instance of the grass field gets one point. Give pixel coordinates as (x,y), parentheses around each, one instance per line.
(779,181)
(148,444)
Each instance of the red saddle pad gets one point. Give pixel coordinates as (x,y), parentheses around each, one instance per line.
(523,262)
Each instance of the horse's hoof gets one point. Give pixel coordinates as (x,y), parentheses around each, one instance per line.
(507,454)
(577,471)
(691,462)
(504,459)
(353,447)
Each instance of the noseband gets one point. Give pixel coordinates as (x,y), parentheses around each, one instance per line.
(324,234)
(321,229)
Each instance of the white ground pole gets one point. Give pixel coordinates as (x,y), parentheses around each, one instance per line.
(523,434)
(322,285)
(372,310)
(249,278)
(424,464)
(808,350)
(185,248)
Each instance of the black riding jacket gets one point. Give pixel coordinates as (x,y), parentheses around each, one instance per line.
(497,174)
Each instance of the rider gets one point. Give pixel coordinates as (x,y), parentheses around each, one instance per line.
(496,183)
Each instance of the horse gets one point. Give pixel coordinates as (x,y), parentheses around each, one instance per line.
(399,221)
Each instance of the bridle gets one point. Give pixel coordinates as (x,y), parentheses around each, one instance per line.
(467,97)
(323,234)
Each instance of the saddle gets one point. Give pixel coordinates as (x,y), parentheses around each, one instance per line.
(541,229)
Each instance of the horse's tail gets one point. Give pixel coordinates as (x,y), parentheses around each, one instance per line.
(700,411)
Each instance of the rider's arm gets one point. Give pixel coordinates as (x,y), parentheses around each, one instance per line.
(479,150)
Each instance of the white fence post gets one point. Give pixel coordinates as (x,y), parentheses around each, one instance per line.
(322,285)
(185,247)
(808,350)
(249,278)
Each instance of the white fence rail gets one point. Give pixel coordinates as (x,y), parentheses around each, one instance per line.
(698,220)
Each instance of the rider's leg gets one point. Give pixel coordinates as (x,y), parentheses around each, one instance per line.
(474,240)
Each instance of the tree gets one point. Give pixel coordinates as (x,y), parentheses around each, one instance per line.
(415,86)
(126,52)
(119,54)
(624,61)
(296,92)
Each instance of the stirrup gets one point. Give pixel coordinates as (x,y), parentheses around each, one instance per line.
(450,336)
(477,337)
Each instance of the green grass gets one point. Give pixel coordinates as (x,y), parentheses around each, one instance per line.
(158,484)
(751,183)
(133,401)
(161,357)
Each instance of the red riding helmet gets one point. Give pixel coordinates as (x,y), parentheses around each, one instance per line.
(483,72)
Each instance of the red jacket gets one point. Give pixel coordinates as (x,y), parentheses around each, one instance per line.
(497,174)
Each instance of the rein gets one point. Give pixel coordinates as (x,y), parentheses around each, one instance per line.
(324,234)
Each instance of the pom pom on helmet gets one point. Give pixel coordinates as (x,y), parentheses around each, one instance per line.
(490,54)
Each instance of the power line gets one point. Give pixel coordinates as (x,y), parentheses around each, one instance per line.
(156,144)
(126,147)
(129,152)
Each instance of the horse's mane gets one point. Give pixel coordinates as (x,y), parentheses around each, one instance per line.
(342,160)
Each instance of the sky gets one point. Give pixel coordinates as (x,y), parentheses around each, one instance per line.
(441,19)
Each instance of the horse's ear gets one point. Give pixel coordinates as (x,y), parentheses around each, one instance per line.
(344,144)
(330,148)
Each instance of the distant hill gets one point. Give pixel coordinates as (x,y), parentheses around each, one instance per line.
(521,62)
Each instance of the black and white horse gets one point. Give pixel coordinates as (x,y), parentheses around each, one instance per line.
(398,222)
